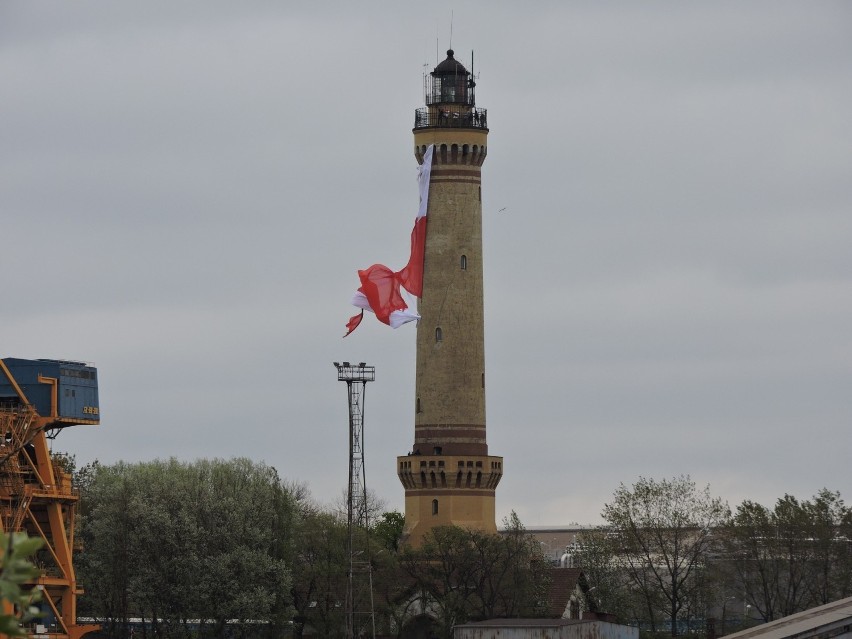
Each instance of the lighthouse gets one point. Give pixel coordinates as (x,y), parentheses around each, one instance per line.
(448,476)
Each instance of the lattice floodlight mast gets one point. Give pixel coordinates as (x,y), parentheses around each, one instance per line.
(360,619)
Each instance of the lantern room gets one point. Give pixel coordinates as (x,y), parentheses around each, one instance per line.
(450,83)
(450,98)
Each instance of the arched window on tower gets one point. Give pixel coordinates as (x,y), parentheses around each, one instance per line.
(434,506)
(439,335)
(463,262)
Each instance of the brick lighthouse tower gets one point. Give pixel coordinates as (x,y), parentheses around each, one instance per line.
(449,477)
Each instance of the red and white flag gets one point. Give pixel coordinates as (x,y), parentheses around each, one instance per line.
(380,286)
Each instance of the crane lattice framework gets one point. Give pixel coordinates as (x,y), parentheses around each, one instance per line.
(36,495)
(360,617)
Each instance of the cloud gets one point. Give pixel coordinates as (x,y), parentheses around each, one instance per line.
(188,192)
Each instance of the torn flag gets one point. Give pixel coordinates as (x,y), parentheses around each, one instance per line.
(380,286)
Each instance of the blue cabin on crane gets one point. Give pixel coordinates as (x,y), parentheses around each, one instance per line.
(75,385)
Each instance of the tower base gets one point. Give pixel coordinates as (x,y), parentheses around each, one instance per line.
(447,490)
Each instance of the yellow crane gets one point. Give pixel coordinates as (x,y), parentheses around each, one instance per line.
(38,398)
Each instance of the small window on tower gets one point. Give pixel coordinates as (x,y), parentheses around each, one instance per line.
(464,262)
(439,335)
(419,408)
(434,506)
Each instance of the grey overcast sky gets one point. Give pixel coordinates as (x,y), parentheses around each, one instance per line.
(188,189)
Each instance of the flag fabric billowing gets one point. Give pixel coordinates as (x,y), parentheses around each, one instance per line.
(411,276)
(353,322)
(380,290)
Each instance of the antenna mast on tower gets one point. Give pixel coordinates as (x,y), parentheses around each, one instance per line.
(360,618)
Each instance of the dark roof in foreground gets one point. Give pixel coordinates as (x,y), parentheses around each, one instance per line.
(522,623)
(811,622)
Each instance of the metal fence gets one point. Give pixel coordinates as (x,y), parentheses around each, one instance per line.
(450,116)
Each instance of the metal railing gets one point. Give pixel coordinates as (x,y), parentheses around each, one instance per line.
(449,116)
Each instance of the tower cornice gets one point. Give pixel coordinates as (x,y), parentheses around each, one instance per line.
(453,474)
(467,148)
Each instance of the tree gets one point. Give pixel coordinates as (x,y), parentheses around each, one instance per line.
(319,576)
(389,528)
(792,557)
(320,571)
(17,605)
(369,509)
(172,541)
(104,563)
(598,554)
(462,574)
(516,580)
(664,535)
(445,569)
(831,531)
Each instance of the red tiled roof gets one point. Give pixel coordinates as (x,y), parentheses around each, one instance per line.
(563,583)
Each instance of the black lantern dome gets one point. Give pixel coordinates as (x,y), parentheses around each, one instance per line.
(450,83)
(450,66)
